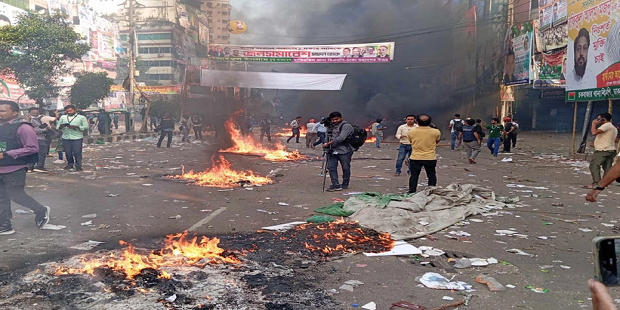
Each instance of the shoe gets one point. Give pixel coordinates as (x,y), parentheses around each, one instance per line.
(471,161)
(79,169)
(345,186)
(334,189)
(397,174)
(6,230)
(494,155)
(40,170)
(58,161)
(68,167)
(42,219)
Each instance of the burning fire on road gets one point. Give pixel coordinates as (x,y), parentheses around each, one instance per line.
(259,270)
(222,175)
(246,145)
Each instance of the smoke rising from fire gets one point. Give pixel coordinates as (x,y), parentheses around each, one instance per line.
(370,90)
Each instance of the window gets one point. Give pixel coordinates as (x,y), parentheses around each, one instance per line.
(154,36)
(209,13)
(124,37)
(224,13)
(209,4)
(159,77)
(155,63)
(225,21)
(154,50)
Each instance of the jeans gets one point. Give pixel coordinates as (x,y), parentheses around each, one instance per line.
(264,132)
(514,140)
(73,150)
(493,145)
(161,138)
(44,148)
(508,141)
(404,151)
(378,141)
(416,168)
(322,138)
(197,133)
(601,159)
(296,133)
(12,186)
(345,163)
(453,136)
(472,148)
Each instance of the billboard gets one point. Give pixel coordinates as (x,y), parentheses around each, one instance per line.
(517,61)
(159,90)
(593,60)
(9,14)
(345,53)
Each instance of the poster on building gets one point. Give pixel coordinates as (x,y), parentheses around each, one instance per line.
(9,14)
(551,14)
(346,53)
(517,61)
(10,90)
(158,90)
(116,101)
(552,64)
(593,61)
(551,33)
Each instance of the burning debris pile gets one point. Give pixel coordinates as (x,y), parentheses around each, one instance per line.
(245,145)
(261,271)
(221,175)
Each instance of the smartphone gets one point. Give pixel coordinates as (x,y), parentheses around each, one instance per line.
(607,260)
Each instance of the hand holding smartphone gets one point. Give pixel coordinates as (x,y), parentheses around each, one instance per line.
(607,260)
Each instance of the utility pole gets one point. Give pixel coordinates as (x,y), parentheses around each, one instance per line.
(132,66)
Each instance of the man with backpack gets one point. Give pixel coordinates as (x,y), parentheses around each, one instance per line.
(456,126)
(196,121)
(515,132)
(339,150)
(509,128)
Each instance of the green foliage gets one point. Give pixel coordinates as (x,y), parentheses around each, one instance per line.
(37,50)
(162,105)
(90,88)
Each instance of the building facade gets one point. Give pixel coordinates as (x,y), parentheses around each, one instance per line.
(218,13)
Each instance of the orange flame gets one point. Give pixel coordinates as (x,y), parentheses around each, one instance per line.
(371,139)
(178,251)
(247,146)
(287,132)
(221,175)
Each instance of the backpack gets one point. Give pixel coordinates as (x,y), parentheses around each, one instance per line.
(481,133)
(458,125)
(516,126)
(357,138)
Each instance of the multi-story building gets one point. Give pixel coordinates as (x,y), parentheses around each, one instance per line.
(218,13)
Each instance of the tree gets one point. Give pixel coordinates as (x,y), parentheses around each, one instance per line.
(37,50)
(90,88)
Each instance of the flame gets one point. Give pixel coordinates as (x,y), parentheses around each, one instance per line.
(247,146)
(178,251)
(286,132)
(371,139)
(221,175)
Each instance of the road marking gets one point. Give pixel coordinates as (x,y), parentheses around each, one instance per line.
(207,219)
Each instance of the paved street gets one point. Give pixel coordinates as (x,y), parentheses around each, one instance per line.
(115,187)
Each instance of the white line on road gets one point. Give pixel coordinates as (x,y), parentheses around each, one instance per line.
(207,219)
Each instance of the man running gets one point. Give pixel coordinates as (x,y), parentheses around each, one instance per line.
(495,133)
(18,149)
(295,129)
(471,139)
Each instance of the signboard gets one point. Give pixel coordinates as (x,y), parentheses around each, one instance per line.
(552,25)
(517,65)
(593,61)
(346,53)
(159,90)
(552,65)
(10,90)
(9,14)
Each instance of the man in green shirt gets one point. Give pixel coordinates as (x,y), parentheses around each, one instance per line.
(495,133)
(72,126)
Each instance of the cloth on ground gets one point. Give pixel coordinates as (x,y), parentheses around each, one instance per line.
(441,207)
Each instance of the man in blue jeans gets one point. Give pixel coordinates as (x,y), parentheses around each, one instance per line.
(495,133)
(404,151)
(339,151)
(72,126)
(456,126)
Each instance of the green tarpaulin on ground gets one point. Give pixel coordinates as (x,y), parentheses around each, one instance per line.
(335,210)
(320,219)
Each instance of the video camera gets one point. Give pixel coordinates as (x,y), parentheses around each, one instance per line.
(326,121)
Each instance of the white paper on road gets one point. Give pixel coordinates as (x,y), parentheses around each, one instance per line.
(439,282)
(53,227)
(400,248)
(283,227)
(85,246)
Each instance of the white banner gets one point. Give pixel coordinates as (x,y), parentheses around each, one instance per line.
(271,80)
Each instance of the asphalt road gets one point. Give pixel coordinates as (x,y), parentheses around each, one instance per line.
(113,187)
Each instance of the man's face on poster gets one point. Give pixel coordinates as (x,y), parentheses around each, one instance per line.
(581,55)
(356,52)
(346,52)
(370,50)
(510,65)
(383,50)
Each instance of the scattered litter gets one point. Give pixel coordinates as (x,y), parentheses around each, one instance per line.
(506,160)
(607,225)
(206,210)
(225,190)
(130,173)
(354,282)
(85,246)
(20,211)
(406,305)
(510,199)
(460,233)
(352,193)
(475,262)
(283,227)
(147,185)
(504,232)
(53,227)
(361,265)
(436,281)
(249,188)
(268,212)
(112,195)
(537,289)
(171,298)
(176,217)
(89,216)
(510,286)
(476,220)
(87,223)
(448,298)
(494,285)
(564,267)
(400,248)
(283,203)
(586,229)
(430,251)
(370,306)
(371,167)
(549,223)
(346,287)
(519,252)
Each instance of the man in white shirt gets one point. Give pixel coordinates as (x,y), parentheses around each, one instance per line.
(295,124)
(604,147)
(456,126)
(310,133)
(404,150)
(321,132)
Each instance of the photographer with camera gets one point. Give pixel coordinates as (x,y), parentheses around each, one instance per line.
(604,147)
(338,150)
